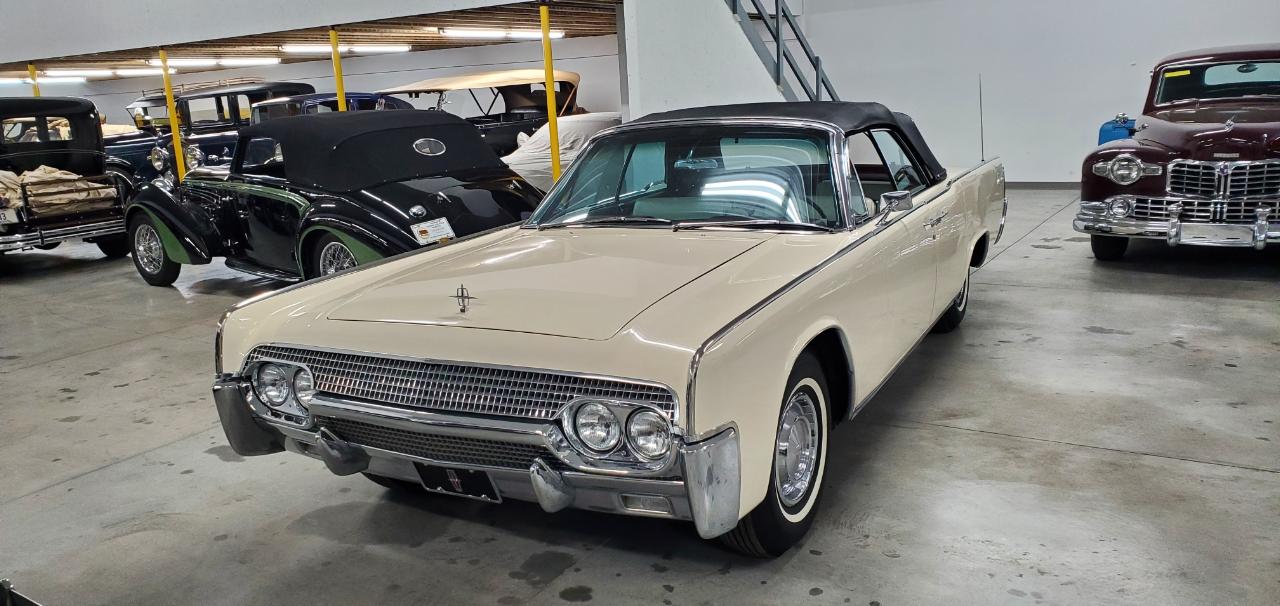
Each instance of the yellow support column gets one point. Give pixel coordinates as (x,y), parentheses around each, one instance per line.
(339,86)
(175,123)
(544,11)
(35,84)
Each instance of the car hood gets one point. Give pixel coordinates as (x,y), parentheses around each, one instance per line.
(1215,132)
(580,283)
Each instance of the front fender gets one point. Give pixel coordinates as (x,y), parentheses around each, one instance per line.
(188,233)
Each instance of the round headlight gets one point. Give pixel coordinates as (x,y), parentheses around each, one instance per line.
(597,426)
(649,434)
(1125,170)
(304,386)
(158,159)
(273,383)
(193,156)
(1120,207)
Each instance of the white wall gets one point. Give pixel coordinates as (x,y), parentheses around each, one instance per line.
(595,58)
(54,28)
(686,53)
(1052,72)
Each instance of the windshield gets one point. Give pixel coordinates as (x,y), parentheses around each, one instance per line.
(1218,81)
(751,176)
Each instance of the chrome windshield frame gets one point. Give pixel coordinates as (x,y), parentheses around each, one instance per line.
(837,156)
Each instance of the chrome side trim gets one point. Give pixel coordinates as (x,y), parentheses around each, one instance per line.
(715,338)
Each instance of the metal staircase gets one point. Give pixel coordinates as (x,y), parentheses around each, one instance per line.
(780,60)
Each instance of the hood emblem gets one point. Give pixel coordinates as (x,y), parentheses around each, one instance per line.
(464,298)
(1230,124)
(429,147)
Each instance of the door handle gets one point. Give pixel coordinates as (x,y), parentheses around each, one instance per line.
(936,221)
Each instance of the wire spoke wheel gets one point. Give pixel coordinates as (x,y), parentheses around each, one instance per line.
(147,249)
(796,451)
(335,257)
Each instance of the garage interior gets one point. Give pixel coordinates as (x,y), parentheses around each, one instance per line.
(1094,433)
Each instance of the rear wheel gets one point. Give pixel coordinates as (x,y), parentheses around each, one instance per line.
(330,255)
(114,247)
(149,257)
(799,459)
(954,315)
(1108,248)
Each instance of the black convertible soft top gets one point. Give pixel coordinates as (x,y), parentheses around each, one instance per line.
(346,151)
(848,116)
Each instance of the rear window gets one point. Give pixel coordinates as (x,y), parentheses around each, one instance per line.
(37,129)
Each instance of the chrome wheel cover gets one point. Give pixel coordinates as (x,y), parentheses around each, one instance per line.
(795,458)
(335,257)
(147,249)
(962,299)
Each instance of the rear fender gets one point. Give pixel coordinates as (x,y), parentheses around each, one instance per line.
(186,238)
(367,243)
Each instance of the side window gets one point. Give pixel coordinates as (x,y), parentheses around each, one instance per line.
(902,171)
(262,157)
(208,111)
(244,106)
(40,129)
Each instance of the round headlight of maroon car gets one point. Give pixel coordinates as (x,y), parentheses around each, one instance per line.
(304,386)
(1125,169)
(649,434)
(597,426)
(1120,207)
(272,384)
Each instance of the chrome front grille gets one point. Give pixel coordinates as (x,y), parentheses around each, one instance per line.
(1191,178)
(457,387)
(1243,212)
(449,450)
(1254,179)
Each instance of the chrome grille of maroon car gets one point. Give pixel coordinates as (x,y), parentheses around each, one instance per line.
(1191,178)
(455,387)
(1254,179)
(1202,211)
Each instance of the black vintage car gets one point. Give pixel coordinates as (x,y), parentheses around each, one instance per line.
(311,195)
(210,117)
(54,185)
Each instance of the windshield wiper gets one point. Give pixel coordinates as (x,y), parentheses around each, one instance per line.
(625,220)
(752,223)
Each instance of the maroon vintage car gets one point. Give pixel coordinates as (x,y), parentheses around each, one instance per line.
(1203,165)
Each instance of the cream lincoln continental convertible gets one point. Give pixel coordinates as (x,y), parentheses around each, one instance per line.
(673,333)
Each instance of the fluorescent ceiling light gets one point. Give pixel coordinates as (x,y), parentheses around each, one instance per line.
(380,48)
(312,49)
(244,61)
(499,34)
(77,72)
(142,71)
(185,62)
(52,80)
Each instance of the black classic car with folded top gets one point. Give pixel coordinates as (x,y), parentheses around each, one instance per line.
(307,196)
(54,182)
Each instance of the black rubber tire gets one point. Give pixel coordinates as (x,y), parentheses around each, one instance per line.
(114,247)
(954,315)
(1108,248)
(767,532)
(394,484)
(313,257)
(169,268)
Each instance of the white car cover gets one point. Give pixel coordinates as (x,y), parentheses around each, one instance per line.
(532,160)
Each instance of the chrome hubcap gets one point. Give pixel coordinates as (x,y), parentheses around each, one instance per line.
(335,257)
(962,299)
(795,456)
(147,249)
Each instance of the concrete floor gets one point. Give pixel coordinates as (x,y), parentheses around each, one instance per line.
(1092,434)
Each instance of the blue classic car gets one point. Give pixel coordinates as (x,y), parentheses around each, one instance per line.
(319,103)
(210,117)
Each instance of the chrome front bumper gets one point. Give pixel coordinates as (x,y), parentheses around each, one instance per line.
(702,485)
(1093,219)
(49,236)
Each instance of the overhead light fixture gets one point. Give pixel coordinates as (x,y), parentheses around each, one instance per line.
(246,61)
(79,73)
(179,62)
(48,80)
(379,48)
(312,49)
(142,71)
(499,34)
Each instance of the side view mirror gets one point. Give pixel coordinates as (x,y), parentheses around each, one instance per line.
(896,201)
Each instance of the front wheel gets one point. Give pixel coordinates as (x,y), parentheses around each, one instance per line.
(114,247)
(799,459)
(1108,248)
(149,257)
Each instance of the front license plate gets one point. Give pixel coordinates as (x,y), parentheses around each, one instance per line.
(458,482)
(1221,235)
